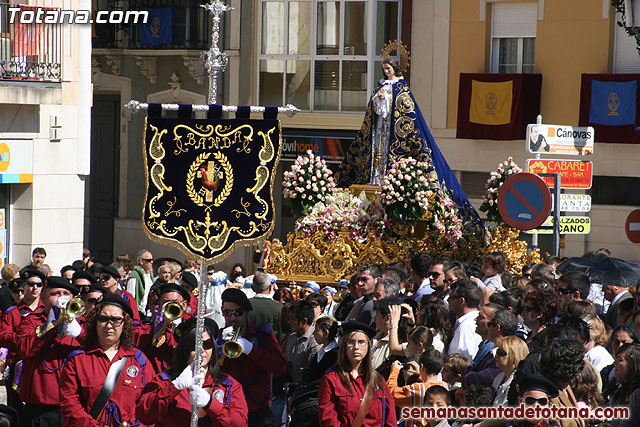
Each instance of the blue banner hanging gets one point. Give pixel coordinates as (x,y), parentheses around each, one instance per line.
(613,103)
(158,29)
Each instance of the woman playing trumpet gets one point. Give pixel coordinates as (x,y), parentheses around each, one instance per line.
(168,399)
(108,351)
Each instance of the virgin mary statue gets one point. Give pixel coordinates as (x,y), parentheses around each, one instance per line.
(394,128)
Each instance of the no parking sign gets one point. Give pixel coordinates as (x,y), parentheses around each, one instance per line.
(524,201)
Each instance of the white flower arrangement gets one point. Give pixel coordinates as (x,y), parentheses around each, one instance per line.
(495,181)
(406,189)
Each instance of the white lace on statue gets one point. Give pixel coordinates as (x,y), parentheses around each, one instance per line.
(382,102)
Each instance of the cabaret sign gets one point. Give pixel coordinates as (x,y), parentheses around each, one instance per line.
(574,173)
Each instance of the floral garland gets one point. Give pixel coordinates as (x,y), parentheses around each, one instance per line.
(495,181)
(342,211)
(308,182)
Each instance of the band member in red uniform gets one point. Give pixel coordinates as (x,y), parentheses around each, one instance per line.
(261,357)
(156,339)
(109,351)
(109,278)
(166,401)
(31,284)
(355,384)
(82,280)
(90,297)
(43,357)
(190,283)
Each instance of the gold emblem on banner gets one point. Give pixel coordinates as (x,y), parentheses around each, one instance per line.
(209,178)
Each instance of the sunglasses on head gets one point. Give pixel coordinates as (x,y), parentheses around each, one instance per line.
(228,313)
(529,400)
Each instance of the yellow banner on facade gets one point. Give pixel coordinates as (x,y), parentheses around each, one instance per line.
(491,102)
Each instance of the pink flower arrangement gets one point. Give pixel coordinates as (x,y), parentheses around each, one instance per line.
(406,188)
(308,181)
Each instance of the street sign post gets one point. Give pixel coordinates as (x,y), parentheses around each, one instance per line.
(632,226)
(574,173)
(524,201)
(558,139)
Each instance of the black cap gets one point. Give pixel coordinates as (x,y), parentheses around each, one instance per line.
(173,287)
(116,300)
(536,382)
(355,326)
(84,275)
(236,296)
(189,279)
(11,414)
(60,282)
(28,273)
(67,268)
(189,324)
(15,283)
(92,288)
(111,272)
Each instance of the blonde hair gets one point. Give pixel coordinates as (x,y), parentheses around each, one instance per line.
(516,349)
(597,330)
(9,271)
(519,282)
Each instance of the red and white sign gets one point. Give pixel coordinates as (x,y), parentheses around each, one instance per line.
(632,226)
(574,173)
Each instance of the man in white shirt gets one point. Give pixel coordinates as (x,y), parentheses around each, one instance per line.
(463,301)
(141,280)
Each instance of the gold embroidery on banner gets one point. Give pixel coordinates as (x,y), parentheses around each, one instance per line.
(220,131)
(244,211)
(170,205)
(198,197)
(262,177)
(267,151)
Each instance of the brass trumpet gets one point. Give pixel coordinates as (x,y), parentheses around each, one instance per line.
(339,296)
(231,349)
(172,312)
(75,308)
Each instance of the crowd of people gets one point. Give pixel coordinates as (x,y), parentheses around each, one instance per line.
(114,345)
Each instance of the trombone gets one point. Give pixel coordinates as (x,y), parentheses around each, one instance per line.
(172,312)
(74,309)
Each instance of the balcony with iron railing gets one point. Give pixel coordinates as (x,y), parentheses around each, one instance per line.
(190,27)
(29,50)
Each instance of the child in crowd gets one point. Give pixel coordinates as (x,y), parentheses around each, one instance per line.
(437,397)
(454,368)
(412,395)
(493,265)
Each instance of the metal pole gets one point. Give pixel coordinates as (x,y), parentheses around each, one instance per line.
(214,60)
(556,214)
(534,236)
(202,294)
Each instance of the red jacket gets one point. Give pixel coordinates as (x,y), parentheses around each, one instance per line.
(162,403)
(338,408)
(9,324)
(254,370)
(160,357)
(192,308)
(43,359)
(83,377)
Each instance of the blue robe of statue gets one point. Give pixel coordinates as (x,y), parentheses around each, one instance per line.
(408,136)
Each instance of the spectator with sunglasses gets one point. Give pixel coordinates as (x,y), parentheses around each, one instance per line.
(109,341)
(572,286)
(90,297)
(109,277)
(261,356)
(437,277)
(167,400)
(141,279)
